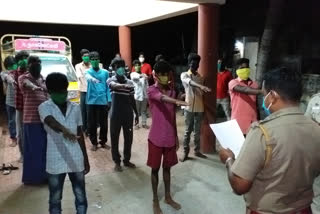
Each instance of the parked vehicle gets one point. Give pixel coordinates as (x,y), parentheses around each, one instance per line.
(54,52)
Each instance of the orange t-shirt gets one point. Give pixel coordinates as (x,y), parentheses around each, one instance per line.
(244,106)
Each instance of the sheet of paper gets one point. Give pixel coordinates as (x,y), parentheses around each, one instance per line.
(229,135)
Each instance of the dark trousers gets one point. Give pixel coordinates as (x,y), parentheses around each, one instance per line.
(56,188)
(115,127)
(97,114)
(84,112)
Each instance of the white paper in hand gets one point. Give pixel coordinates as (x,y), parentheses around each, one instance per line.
(229,135)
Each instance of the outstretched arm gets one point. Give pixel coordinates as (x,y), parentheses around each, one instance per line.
(247,90)
(167,99)
(114,86)
(187,80)
(58,127)
(30,85)
(197,85)
(6,77)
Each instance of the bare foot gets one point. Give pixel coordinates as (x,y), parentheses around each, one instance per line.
(13,143)
(156,208)
(172,203)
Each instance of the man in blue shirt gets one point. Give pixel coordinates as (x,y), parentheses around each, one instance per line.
(98,96)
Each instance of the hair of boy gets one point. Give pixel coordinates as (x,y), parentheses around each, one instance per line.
(94,55)
(136,62)
(193,56)
(56,82)
(33,60)
(9,61)
(243,61)
(117,63)
(141,54)
(84,51)
(162,67)
(159,57)
(21,54)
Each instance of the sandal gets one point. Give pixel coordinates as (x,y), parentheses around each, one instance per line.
(5,170)
(11,167)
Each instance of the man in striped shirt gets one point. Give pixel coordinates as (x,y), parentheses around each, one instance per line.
(21,59)
(123,105)
(34,93)
(10,65)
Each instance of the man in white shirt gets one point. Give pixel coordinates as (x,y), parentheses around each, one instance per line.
(194,88)
(140,82)
(66,150)
(81,69)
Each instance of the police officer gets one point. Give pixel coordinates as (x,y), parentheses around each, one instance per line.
(279,160)
(313,112)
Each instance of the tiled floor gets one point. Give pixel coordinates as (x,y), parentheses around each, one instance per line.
(199,185)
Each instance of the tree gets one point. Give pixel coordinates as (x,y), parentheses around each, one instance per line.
(273,22)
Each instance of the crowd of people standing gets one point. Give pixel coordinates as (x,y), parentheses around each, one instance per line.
(50,130)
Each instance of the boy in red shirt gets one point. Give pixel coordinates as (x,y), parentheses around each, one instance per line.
(223,78)
(163,138)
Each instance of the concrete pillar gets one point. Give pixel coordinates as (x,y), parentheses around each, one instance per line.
(125,44)
(208,28)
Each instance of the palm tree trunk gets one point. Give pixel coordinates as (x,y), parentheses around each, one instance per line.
(274,19)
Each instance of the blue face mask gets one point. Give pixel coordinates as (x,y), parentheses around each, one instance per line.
(266,110)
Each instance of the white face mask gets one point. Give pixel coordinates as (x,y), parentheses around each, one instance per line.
(141,59)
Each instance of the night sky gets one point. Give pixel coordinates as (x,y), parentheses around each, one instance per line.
(168,37)
(160,37)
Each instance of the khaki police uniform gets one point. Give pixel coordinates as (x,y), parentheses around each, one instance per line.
(313,112)
(284,185)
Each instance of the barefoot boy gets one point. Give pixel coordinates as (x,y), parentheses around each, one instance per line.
(163,139)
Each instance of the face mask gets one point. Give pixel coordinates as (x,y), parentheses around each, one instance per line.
(59,98)
(95,63)
(23,63)
(163,79)
(120,75)
(219,66)
(137,69)
(86,59)
(243,73)
(266,110)
(120,71)
(35,70)
(141,59)
(13,67)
